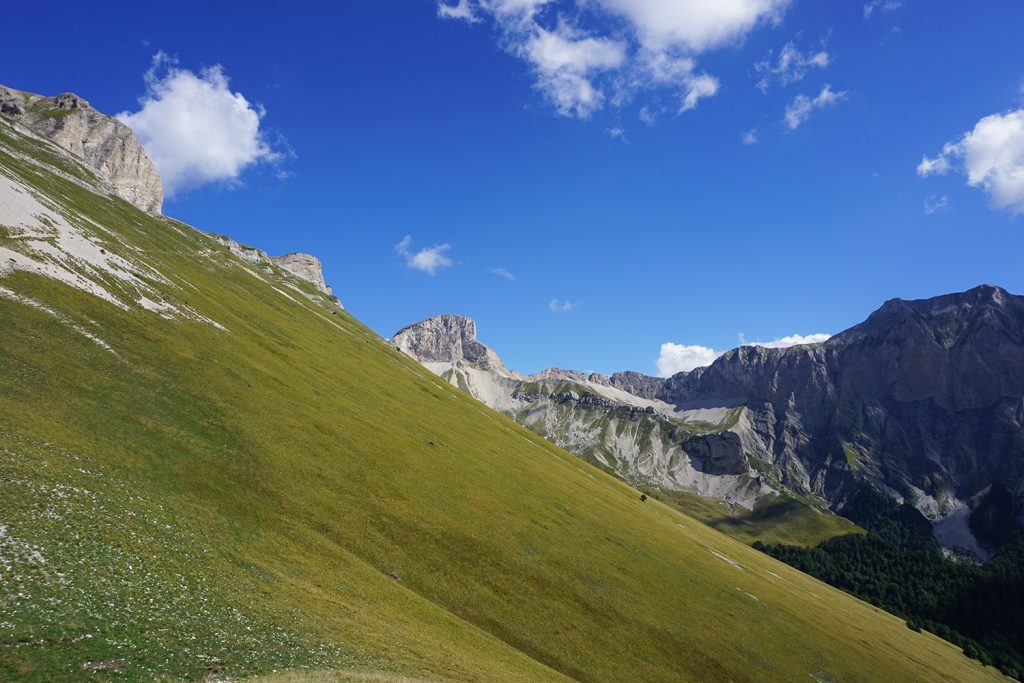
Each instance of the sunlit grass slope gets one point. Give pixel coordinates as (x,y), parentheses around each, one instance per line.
(206,502)
(781,519)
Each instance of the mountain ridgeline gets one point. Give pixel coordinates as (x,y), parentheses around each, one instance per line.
(924,400)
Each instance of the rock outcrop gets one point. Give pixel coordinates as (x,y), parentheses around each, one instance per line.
(102,142)
(924,400)
(448,339)
(306,267)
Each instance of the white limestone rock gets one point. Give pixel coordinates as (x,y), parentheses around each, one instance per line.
(102,142)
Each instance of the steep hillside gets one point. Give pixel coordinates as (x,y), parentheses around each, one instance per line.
(210,469)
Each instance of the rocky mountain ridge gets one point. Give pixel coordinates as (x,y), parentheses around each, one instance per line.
(923,400)
(102,142)
(101,155)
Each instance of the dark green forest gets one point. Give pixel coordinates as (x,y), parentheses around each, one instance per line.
(898,566)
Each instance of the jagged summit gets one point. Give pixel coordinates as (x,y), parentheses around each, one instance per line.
(102,142)
(948,319)
(447,339)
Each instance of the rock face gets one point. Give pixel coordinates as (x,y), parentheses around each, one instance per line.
(102,142)
(306,267)
(924,400)
(448,339)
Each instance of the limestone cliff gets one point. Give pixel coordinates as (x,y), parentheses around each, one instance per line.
(102,142)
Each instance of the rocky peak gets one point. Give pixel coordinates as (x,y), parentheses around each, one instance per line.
(946,320)
(447,339)
(304,266)
(102,142)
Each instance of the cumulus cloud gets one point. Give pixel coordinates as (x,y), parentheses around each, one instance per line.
(694,25)
(684,358)
(801,108)
(428,260)
(791,65)
(785,342)
(560,306)
(991,156)
(195,129)
(645,46)
(881,5)
(503,273)
(749,137)
(566,61)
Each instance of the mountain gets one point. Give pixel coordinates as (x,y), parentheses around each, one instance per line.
(924,400)
(212,471)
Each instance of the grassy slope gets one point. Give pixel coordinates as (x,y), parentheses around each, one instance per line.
(232,502)
(783,519)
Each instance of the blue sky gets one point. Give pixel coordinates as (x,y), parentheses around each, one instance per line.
(593,153)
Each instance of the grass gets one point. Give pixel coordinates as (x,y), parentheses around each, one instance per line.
(852,458)
(228,504)
(782,519)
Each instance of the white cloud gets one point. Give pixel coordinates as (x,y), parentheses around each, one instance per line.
(617,133)
(937,166)
(195,129)
(935,204)
(428,260)
(881,5)
(785,342)
(564,61)
(646,45)
(694,25)
(503,273)
(801,108)
(461,10)
(749,137)
(790,66)
(683,358)
(697,88)
(558,306)
(991,156)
